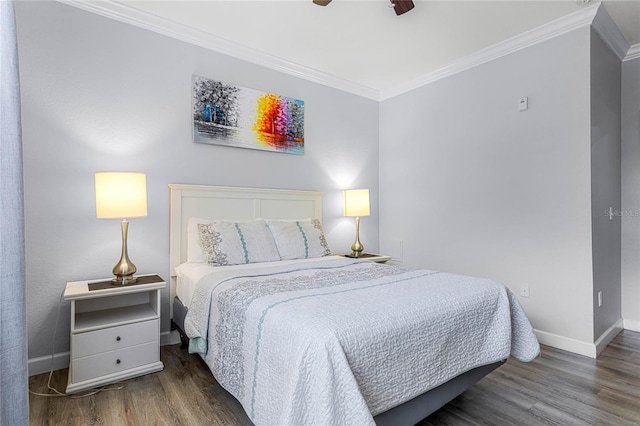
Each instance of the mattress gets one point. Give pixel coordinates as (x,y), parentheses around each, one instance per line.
(190,273)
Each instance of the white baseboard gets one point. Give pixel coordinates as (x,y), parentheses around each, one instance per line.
(566,343)
(43,364)
(632,325)
(608,336)
(169,338)
(592,350)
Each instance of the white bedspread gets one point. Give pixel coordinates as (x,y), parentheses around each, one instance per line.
(339,341)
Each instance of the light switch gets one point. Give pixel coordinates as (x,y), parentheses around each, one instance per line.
(523,104)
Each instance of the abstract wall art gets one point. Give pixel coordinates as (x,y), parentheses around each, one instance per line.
(225,114)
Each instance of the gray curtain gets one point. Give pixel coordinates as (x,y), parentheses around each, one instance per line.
(14,396)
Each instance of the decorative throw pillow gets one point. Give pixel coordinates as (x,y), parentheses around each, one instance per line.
(299,239)
(236,243)
(195,251)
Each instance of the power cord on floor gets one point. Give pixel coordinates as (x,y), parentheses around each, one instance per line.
(56,392)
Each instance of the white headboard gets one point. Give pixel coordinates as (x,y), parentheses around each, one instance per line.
(231,203)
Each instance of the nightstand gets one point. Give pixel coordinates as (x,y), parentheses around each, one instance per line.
(115,331)
(380,258)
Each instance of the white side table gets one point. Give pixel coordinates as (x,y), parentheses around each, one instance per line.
(380,258)
(115,331)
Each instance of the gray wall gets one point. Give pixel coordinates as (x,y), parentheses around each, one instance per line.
(631,194)
(470,185)
(605,183)
(102,95)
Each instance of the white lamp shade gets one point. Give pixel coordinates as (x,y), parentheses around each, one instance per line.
(356,202)
(121,195)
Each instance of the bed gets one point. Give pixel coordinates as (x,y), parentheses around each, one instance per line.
(321,339)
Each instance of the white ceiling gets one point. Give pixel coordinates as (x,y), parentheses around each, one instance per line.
(364,42)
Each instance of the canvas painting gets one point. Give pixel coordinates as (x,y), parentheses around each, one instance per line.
(225,114)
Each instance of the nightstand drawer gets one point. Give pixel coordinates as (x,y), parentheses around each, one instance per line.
(113,338)
(115,361)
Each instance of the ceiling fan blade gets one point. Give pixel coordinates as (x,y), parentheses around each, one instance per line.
(321,2)
(401,6)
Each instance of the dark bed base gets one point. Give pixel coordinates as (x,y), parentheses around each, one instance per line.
(408,413)
(177,322)
(420,407)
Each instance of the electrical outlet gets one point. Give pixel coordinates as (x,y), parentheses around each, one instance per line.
(524,290)
(599,298)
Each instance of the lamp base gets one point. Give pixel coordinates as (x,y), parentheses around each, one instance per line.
(125,268)
(355,255)
(357,248)
(124,280)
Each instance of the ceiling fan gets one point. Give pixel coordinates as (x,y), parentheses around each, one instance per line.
(400,6)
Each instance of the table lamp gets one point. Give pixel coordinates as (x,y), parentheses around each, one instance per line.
(121,195)
(356,203)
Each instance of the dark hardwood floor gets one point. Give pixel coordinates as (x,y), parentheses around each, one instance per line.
(558,388)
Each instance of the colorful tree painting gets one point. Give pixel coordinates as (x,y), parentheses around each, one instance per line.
(215,102)
(279,116)
(225,114)
(267,112)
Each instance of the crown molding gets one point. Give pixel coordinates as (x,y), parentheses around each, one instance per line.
(529,38)
(121,12)
(633,52)
(594,14)
(606,27)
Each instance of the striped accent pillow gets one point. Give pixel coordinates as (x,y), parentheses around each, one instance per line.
(299,239)
(237,243)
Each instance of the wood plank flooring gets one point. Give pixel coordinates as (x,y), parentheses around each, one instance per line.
(558,388)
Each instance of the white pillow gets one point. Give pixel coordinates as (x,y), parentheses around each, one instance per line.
(299,239)
(236,243)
